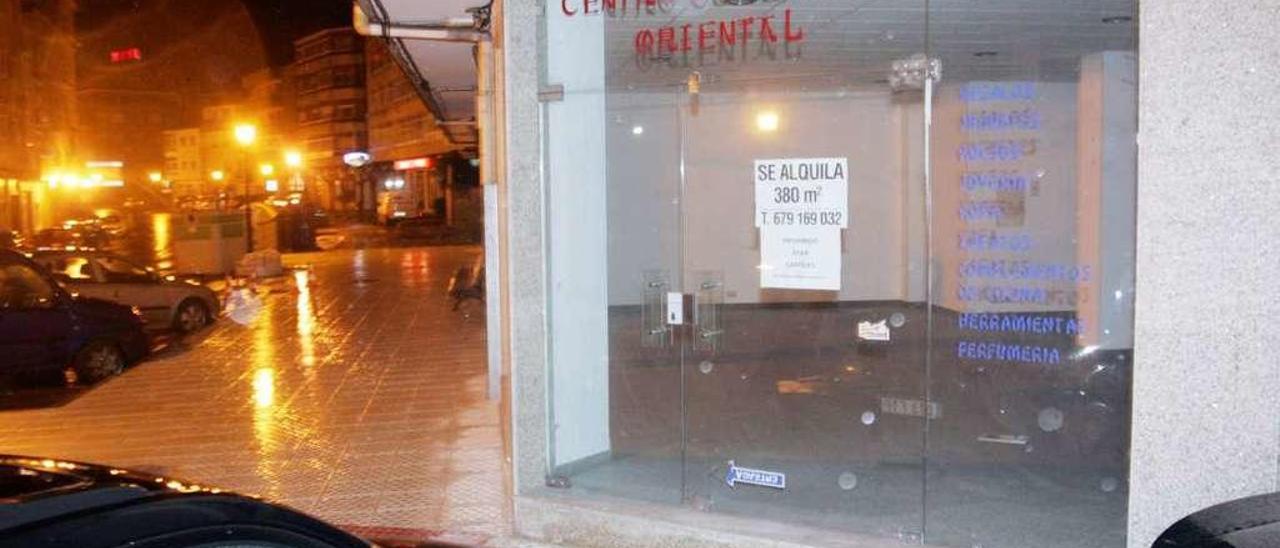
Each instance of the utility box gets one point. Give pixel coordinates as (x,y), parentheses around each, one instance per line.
(208,242)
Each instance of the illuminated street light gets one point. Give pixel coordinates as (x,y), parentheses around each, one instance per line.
(246,134)
(293,159)
(217,175)
(267,170)
(155,176)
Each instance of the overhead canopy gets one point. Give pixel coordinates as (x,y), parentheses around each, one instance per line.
(443,70)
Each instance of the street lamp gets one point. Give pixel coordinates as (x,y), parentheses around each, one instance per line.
(355,160)
(267,170)
(293,159)
(217,175)
(246,134)
(155,176)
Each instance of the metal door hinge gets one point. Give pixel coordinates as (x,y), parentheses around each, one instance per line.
(911,73)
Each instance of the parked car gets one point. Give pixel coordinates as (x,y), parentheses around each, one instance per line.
(48,503)
(53,238)
(1250,522)
(44,329)
(10,239)
(166,304)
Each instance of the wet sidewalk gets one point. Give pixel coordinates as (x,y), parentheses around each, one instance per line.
(354,393)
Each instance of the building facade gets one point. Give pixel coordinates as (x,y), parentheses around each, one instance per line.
(39,123)
(328,73)
(183,167)
(770,275)
(403,139)
(134,84)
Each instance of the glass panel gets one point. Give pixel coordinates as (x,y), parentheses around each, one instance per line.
(803,218)
(736,238)
(612,166)
(1033,161)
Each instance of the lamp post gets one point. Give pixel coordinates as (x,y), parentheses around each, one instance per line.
(355,160)
(245,135)
(293,160)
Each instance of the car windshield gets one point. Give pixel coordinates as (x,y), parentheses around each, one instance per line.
(21,287)
(70,267)
(115,269)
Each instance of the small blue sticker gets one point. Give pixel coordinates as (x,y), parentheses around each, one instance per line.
(763,478)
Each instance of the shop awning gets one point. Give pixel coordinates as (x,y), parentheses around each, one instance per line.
(434,42)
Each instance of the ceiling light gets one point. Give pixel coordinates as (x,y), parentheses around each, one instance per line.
(767,122)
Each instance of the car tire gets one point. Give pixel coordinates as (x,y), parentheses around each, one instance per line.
(192,316)
(97,361)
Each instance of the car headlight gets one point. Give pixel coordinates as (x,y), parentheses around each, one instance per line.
(137,312)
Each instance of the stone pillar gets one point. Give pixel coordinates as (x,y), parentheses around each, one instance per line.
(1206,391)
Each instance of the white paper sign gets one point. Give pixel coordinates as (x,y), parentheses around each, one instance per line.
(800,258)
(675,308)
(801,206)
(878,331)
(811,192)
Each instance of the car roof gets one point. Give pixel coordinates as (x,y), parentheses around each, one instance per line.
(41,253)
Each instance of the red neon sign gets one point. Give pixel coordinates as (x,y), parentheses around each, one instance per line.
(415,163)
(122,55)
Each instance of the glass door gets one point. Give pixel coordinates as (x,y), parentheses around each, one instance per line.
(802,210)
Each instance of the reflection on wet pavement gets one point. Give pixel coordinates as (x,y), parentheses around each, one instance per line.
(354,393)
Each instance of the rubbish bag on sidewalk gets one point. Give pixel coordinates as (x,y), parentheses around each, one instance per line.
(260,264)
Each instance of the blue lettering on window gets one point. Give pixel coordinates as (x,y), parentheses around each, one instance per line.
(985,92)
(1001,352)
(981,211)
(1037,324)
(1002,294)
(1025,270)
(990,240)
(1014,120)
(995,151)
(993,180)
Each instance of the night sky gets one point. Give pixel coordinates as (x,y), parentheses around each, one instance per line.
(279,22)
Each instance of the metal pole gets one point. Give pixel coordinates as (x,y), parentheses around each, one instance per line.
(248,210)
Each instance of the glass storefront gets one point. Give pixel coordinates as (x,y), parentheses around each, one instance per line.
(864,266)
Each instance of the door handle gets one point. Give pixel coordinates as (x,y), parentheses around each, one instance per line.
(707,309)
(654,331)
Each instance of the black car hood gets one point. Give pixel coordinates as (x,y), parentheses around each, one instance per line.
(34,489)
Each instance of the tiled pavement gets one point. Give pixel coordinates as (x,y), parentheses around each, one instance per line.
(354,393)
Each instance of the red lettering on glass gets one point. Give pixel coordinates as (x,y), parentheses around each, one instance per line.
(791,37)
(703,34)
(666,40)
(766,30)
(728,34)
(746,28)
(644,43)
